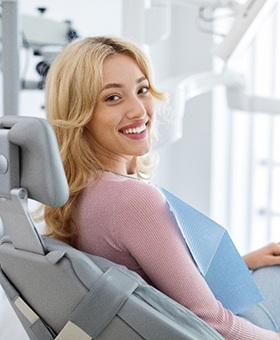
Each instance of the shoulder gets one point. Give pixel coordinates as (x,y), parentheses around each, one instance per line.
(140,191)
(126,190)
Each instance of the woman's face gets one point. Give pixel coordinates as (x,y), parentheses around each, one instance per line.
(122,119)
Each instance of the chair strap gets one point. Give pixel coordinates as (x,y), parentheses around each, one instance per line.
(92,315)
(103,301)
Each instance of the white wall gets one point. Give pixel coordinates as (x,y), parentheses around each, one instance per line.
(185,165)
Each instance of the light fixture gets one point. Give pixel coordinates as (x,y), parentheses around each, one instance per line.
(185,87)
(248,19)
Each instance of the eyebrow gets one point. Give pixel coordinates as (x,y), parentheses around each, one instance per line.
(116,85)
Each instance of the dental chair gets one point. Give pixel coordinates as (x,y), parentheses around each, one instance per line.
(57,291)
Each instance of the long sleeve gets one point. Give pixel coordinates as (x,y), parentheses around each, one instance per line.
(129,222)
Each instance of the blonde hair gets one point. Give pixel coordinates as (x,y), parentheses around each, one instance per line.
(72,87)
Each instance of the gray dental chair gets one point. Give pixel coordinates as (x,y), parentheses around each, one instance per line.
(57,291)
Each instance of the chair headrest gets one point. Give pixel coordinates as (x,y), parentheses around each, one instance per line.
(40,170)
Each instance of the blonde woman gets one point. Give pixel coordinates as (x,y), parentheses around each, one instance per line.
(102,102)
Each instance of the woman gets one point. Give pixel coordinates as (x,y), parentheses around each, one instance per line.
(101,101)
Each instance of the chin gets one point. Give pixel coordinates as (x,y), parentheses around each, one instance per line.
(144,152)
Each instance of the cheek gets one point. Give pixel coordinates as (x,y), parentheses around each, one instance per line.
(98,122)
(102,130)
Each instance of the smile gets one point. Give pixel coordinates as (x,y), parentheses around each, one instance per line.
(136,130)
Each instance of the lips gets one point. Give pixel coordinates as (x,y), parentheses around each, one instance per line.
(135,131)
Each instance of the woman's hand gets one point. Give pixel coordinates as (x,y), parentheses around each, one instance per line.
(263,257)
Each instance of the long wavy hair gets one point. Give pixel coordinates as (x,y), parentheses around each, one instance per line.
(72,87)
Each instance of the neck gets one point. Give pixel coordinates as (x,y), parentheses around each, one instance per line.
(131,176)
(124,166)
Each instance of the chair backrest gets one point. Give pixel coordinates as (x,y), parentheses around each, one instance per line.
(41,172)
(30,166)
(56,290)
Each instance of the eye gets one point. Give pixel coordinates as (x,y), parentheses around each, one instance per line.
(144,89)
(112,98)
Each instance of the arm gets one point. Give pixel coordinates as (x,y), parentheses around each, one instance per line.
(263,257)
(150,234)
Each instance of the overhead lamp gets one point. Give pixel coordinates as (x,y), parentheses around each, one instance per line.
(248,19)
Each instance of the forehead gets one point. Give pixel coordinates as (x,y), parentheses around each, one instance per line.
(120,67)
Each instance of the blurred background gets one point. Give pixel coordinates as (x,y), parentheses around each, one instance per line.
(218,59)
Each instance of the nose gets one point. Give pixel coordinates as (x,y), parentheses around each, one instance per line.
(136,108)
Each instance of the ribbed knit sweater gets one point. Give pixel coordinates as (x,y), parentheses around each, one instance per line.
(129,222)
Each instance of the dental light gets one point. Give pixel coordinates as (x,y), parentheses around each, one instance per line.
(185,87)
(38,33)
(248,19)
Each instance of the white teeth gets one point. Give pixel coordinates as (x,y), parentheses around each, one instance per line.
(137,130)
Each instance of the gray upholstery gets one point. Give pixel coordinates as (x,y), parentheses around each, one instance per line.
(30,167)
(67,284)
(41,170)
(56,290)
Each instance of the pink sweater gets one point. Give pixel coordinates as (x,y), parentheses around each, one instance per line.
(129,222)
